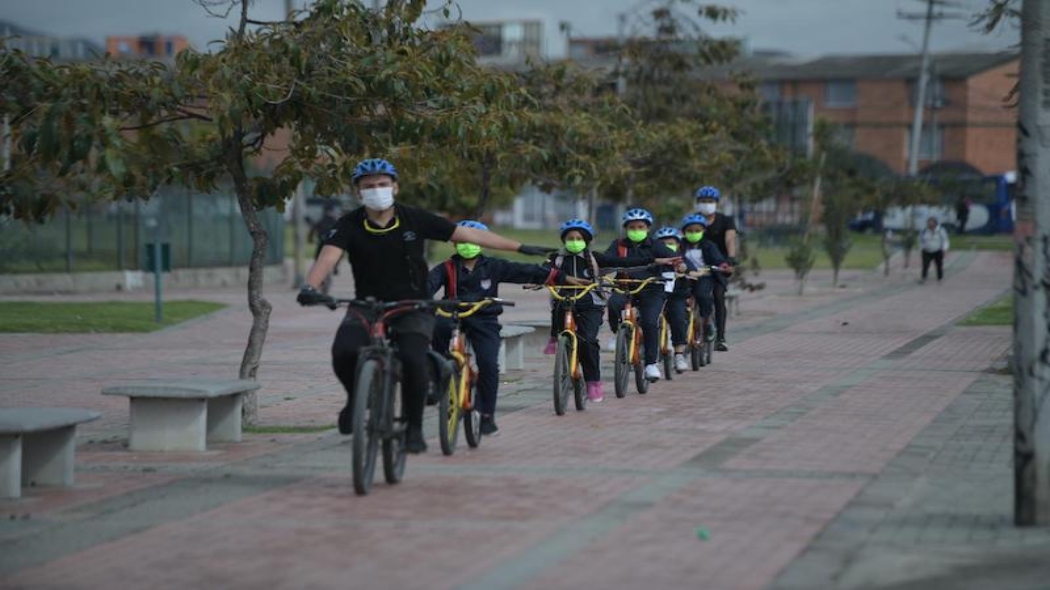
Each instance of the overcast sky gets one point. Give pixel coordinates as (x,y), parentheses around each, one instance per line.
(805,27)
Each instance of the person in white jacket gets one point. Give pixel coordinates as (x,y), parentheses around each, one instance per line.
(934,242)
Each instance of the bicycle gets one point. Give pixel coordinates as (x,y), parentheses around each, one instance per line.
(666,349)
(378,411)
(700,337)
(629,343)
(458,402)
(567,371)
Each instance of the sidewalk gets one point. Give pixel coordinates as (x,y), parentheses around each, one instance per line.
(854,438)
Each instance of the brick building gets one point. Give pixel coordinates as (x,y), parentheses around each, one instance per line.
(872,98)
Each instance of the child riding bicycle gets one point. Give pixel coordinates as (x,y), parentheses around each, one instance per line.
(468,275)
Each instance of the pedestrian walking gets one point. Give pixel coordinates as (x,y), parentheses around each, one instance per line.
(933,240)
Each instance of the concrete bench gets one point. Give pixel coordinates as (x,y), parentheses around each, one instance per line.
(37,446)
(512,346)
(732,303)
(183,414)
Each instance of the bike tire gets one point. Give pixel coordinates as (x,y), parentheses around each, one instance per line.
(394,441)
(449,413)
(621,362)
(668,358)
(365,444)
(696,356)
(579,394)
(709,354)
(641,384)
(472,420)
(562,377)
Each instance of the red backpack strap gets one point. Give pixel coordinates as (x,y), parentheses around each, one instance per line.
(450,284)
(621,249)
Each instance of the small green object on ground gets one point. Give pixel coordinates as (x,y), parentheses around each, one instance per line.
(703,534)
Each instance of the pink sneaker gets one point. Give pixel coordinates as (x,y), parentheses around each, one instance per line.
(594,391)
(552,346)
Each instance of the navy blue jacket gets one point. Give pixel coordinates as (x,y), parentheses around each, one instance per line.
(712,256)
(648,248)
(484,280)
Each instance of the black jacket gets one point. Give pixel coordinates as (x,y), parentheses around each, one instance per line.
(483,281)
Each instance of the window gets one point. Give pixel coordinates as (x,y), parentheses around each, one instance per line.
(935,96)
(840,93)
(931,143)
(769,91)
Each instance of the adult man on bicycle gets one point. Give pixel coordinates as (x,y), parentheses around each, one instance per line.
(383,241)
(471,276)
(636,224)
(721,230)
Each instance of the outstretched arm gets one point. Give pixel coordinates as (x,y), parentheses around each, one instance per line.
(323,266)
(485,239)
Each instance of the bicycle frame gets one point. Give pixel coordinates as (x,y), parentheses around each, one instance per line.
(569,325)
(629,315)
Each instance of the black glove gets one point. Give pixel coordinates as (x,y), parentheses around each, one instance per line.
(536,250)
(732,261)
(310,296)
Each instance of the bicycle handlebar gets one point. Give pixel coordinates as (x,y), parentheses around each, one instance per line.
(465,309)
(582,290)
(642,284)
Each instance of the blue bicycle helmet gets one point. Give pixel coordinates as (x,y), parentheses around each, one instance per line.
(373,166)
(577,224)
(707,192)
(693,219)
(636,214)
(473,224)
(668,232)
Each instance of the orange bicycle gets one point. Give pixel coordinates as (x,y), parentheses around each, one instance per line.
(567,372)
(629,343)
(700,337)
(458,403)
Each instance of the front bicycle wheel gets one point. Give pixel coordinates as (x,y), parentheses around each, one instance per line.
(394,439)
(622,361)
(640,381)
(367,395)
(667,350)
(472,419)
(709,346)
(562,376)
(449,414)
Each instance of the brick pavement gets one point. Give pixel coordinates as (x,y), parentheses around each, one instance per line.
(841,427)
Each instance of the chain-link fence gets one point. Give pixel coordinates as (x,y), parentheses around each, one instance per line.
(204,230)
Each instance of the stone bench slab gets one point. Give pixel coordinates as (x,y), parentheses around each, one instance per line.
(37,447)
(512,346)
(183,414)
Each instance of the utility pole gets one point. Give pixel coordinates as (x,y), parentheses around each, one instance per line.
(298,224)
(621,40)
(924,77)
(1032,274)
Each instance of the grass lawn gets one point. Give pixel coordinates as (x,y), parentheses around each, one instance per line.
(105,316)
(999,313)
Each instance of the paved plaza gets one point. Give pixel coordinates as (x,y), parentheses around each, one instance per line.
(853,438)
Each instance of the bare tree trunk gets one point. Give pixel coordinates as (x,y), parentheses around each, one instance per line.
(258,305)
(1031,359)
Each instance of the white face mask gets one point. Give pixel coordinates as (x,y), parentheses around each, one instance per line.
(378,199)
(706,208)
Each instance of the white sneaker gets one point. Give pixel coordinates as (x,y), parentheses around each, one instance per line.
(610,344)
(652,372)
(680,364)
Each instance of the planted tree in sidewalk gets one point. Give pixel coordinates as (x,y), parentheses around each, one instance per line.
(338,81)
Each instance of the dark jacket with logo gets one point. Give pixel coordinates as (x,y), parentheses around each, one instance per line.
(483,281)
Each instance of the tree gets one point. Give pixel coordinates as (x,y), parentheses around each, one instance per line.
(337,82)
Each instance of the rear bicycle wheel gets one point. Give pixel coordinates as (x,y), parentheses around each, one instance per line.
(449,413)
(709,346)
(394,441)
(696,357)
(562,376)
(667,350)
(622,361)
(579,392)
(367,395)
(472,419)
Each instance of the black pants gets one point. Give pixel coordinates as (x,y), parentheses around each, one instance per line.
(411,333)
(937,258)
(483,333)
(678,317)
(588,320)
(650,305)
(718,292)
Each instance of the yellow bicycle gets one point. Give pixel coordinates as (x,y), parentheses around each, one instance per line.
(458,403)
(629,343)
(567,372)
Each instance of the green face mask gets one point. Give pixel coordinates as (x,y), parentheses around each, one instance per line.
(468,251)
(672,246)
(694,236)
(637,235)
(575,246)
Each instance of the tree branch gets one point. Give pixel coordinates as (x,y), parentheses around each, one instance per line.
(183,116)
